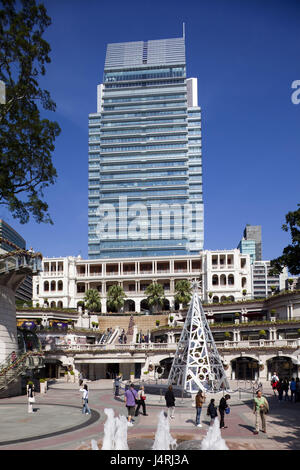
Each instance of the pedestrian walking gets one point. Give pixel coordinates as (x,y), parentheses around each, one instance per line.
(212,411)
(297,396)
(130,402)
(117,385)
(30,396)
(279,389)
(85,400)
(285,387)
(170,401)
(293,389)
(274,382)
(260,409)
(200,399)
(223,405)
(141,401)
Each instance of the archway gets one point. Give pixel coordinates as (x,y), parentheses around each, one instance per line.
(166,304)
(165,365)
(129,305)
(245,368)
(144,305)
(284,367)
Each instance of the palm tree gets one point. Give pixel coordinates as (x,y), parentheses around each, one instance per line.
(92,300)
(115,298)
(155,296)
(183,292)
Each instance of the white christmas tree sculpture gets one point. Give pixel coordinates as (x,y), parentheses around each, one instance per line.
(197,363)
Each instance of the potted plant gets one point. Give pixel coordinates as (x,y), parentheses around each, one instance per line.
(262,334)
(273,314)
(67,376)
(72,374)
(237,317)
(157,322)
(290,282)
(43,386)
(244,292)
(227,335)
(132,376)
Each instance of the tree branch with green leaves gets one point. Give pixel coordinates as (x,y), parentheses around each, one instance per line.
(26,137)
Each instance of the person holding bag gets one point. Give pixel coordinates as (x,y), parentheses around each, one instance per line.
(260,409)
(223,406)
(141,401)
(130,402)
(31,396)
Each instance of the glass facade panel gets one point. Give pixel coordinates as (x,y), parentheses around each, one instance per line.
(134,175)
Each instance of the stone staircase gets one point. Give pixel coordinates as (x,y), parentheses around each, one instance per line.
(10,371)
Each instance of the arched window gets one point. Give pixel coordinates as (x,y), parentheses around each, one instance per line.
(53,285)
(37,289)
(215,299)
(231,280)
(46,286)
(223,280)
(215,280)
(244,282)
(59,304)
(60,285)
(53,304)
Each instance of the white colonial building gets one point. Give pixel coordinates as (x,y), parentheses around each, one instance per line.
(223,274)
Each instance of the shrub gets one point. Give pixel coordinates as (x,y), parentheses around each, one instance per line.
(42,381)
(262,333)
(157,322)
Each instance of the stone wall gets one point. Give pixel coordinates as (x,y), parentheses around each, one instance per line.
(142,322)
(8,324)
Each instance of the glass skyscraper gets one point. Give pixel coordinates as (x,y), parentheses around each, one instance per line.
(145,161)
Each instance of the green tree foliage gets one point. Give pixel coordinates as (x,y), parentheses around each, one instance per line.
(92,300)
(155,296)
(290,257)
(26,138)
(115,298)
(183,292)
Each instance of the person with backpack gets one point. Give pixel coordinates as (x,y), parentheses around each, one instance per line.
(223,406)
(170,401)
(260,409)
(130,402)
(85,399)
(200,399)
(212,411)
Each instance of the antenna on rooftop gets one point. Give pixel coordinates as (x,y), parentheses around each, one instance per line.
(183,30)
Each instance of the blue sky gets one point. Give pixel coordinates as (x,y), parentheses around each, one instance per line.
(245,53)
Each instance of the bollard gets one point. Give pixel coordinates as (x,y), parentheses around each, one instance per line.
(160,398)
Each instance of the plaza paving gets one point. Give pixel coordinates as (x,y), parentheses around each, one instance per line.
(58,424)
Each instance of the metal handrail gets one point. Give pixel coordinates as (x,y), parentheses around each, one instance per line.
(10,370)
